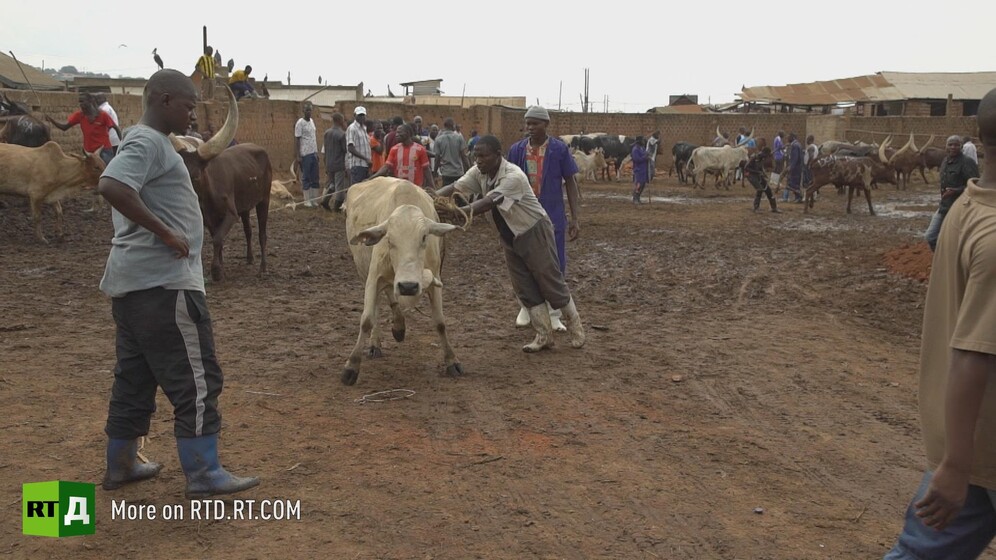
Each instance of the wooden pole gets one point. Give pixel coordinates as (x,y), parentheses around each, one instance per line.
(204,44)
(23,73)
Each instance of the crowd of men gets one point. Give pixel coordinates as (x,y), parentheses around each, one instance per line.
(367,148)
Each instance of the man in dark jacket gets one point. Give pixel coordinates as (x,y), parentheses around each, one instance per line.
(956,170)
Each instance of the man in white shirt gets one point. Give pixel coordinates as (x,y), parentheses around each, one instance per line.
(652,144)
(358,152)
(967,148)
(104,106)
(526,235)
(306,151)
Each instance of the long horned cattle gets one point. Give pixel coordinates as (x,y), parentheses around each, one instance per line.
(720,161)
(229,182)
(902,162)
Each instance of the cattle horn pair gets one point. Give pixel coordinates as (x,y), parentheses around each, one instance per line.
(885,145)
(747,139)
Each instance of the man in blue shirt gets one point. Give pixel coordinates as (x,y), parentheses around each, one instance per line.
(548,163)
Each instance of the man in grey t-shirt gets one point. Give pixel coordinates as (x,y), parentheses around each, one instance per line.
(335,162)
(154,277)
(451,159)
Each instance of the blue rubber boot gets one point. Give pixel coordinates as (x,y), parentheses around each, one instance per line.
(123,465)
(205,475)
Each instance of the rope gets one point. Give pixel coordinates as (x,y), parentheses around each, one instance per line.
(384,396)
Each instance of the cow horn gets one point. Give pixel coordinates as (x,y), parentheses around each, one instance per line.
(913,143)
(882,148)
(929,140)
(180,145)
(903,149)
(293,175)
(224,137)
(718,133)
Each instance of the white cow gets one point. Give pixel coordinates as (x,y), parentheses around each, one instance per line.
(721,161)
(397,247)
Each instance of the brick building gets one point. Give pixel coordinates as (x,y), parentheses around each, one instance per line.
(909,94)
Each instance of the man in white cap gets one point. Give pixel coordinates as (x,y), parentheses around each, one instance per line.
(548,163)
(358,151)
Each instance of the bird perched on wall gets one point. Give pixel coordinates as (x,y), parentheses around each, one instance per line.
(319,80)
(157,58)
(231,65)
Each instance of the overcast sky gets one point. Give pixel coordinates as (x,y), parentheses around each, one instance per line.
(638,53)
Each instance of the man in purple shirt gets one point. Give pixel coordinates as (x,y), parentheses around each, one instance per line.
(779,153)
(548,163)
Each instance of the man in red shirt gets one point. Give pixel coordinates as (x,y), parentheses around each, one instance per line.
(95,125)
(407,160)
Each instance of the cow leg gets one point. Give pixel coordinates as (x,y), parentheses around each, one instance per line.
(850,195)
(36,210)
(262,216)
(868,197)
(924,175)
(218,240)
(453,367)
(368,319)
(397,317)
(247,230)
(58,219)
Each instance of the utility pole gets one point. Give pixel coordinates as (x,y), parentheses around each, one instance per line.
(584,102)
(560,94)
(205,39)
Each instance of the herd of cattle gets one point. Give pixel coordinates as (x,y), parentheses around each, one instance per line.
(854,166)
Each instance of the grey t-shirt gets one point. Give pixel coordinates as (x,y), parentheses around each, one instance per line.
(335,150)
(139,260)
(448,147)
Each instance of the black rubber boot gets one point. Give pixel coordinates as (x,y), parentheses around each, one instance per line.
(123,466)
(205,475)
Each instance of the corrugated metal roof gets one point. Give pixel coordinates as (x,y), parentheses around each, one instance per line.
(680,109)
(879,87)
(937,86)
(11,76)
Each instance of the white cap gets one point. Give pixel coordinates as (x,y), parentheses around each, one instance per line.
(360,110)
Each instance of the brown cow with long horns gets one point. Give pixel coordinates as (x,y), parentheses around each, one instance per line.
(229,183)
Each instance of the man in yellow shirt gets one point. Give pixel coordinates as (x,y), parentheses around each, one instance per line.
(205,65)
(239,83)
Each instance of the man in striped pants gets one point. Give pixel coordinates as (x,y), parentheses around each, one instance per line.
(154,277)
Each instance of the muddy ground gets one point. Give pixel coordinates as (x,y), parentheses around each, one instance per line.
(735,361)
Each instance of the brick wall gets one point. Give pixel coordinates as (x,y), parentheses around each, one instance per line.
(270,123)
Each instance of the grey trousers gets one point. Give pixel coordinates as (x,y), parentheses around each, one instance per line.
(534,267)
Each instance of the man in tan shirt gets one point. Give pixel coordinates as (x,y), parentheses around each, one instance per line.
(953,514)
(526,234)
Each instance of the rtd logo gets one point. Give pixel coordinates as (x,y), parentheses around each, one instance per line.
(57,508)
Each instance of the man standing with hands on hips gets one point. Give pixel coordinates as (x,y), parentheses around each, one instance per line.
(153,275)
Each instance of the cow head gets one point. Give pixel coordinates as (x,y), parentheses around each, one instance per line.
(92,166)
(197,154)
(882,150)
(401,240)
(8,107)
